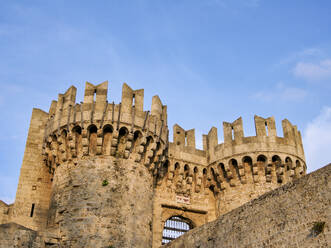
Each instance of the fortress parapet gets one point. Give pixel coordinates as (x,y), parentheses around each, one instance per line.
(238,170)
(95,127)
(101,174)
(276,158)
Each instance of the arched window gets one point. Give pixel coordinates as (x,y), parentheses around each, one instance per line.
(63,148)
(235,169)
(77,130)
(164,169)
(136,140)
(212,170)
(122,138)
(288,162)
(176,172)
(276,160)
(107,137)
(92,130)
(224,173)
(298,165)
(248,163)
(177,167)
(262,159)
(204,177)
(186,171)
(174,227)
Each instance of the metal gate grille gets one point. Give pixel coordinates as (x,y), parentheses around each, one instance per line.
(175,227)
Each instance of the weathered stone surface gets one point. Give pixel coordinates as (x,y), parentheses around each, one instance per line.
(100,202)
(13,235)
(284,217)
(99,174)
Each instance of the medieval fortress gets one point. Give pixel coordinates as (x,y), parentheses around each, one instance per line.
(102,174)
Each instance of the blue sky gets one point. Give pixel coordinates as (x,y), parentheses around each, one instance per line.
(210,61)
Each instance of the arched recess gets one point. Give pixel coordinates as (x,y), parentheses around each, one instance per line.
(248,163)
(234,168)
(276,160)
(298,167)
(176,171)
(164,169)
(149,143)
(175,227)
(137,136)
(262,164)
(54,151)
(107,135)
(215,179)
(261,159)
(92,135)
(122,139)
(186,171)
(77,133)
(223,172)
(204,177)
(64,145)
(195,177)
(289,164)
(55,148)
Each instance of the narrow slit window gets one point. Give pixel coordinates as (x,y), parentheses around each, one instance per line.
(94,95)
(266,128)
(32,210)
(232,133)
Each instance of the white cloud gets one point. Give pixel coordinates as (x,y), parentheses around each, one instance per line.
(313,71)
(303,54)
(281,92)
(317,140)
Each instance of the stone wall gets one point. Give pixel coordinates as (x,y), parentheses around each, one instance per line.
(75,146)
(297,214)
(102,202)
(33,190)
(13,235)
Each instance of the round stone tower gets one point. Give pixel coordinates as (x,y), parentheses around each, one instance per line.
(103,158)
(243,168)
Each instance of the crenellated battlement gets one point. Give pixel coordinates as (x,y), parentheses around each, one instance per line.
(105,159)
(97,127)
(264,160)
(265,141)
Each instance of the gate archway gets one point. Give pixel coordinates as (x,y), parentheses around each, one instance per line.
(174,227)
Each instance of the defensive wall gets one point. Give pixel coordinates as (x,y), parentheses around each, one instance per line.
(297,214)
(201,185)
(87,162)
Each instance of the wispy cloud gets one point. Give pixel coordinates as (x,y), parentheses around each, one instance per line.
(305,53)
(253,3)
(317,140)
(281,92)
(313,71)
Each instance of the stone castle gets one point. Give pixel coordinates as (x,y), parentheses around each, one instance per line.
(100,174)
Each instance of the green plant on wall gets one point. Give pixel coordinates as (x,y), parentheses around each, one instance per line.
(318,227)
(105,182)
